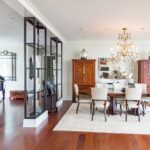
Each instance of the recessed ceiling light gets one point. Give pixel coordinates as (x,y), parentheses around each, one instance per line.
(12,18)
(80,29)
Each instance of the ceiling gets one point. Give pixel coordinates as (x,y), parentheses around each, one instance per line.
(97,19)
(11,26)
(12,23)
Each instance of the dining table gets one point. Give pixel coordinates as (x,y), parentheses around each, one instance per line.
(114,94)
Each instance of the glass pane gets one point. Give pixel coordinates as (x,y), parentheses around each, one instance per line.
(30,105)
(29,32)
(59,94)
(59,77)
(59,62)
(53,47)
(54,62)
(59,49)
(40,103)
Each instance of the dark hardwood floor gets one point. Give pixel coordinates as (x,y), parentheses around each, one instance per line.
(14,137)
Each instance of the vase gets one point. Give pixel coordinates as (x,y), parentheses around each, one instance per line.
(83,54)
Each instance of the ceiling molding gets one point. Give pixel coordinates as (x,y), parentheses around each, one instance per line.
(33,10)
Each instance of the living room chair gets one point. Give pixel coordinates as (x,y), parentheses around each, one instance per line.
(133,100)
(81,101)
(100,100)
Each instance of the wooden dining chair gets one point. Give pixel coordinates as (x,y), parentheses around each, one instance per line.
(80,100)
(133,100)
(100,100)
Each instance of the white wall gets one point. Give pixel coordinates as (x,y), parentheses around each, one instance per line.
(19,50)
(94,50)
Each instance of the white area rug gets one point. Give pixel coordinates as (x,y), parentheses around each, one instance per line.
(115,124)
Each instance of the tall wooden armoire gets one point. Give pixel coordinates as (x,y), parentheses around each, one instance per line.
(144,72)
(83,75)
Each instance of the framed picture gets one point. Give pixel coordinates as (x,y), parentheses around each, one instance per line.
(103,67)
(103,61)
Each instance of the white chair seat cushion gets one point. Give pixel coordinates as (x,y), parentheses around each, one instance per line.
(132,104)
(147,99)
(85,101)
(100,104)
(120,99)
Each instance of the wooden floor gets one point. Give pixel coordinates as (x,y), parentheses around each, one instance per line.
(14,137)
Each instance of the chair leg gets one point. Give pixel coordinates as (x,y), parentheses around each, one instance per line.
(126,110)
(108,111)
(143,109)
(77,107)
(90,107)
(93,109)
(105,113)
(139,113)
(93,113)
(120,110)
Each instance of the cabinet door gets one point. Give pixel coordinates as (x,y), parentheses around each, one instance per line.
(78,72)
(89,72)
(146,73)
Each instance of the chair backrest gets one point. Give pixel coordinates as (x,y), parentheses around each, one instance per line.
(143,86)
(133,94)
(76,89)
(101,85)
(99,93)
(118,86)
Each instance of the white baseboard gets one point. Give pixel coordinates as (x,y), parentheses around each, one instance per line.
(60,102)
(35,122)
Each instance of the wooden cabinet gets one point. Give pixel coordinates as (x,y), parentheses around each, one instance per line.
(83,75)
(144,72)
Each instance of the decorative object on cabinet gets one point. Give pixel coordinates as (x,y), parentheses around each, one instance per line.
(83,54)
(8,65)
(144,72)
(54,65)
(17,94)
(35,72)
(83,75)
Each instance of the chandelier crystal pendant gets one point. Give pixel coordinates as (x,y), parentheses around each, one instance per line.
(125,48)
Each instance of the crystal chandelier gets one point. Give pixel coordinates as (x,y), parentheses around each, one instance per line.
(125,48)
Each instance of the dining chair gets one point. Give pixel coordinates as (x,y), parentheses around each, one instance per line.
(100,85)
(133,100)
(145,100)
(81,101)
(100,100)
(120,100)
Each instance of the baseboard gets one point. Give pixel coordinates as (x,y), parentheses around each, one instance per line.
(34,123)
(60,102)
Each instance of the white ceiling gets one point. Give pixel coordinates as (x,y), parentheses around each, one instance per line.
(12,22)
(11,25)
(97,19)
